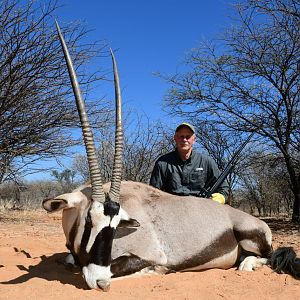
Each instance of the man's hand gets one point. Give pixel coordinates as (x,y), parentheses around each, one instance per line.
(218,197)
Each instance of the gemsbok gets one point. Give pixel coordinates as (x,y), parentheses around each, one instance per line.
(121,228)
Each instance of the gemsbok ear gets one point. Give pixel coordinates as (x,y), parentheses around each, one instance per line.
(53,205)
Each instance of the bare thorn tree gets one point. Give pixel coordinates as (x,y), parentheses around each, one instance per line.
(251,82)
(36,104)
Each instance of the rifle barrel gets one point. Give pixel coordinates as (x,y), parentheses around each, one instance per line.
(228,168)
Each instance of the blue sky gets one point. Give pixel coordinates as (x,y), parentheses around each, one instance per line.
(151,36)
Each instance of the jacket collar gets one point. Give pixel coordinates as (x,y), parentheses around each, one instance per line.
(179,158)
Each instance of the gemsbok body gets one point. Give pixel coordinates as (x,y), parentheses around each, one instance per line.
(122,228)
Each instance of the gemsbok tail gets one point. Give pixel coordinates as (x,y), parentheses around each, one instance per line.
(284,260)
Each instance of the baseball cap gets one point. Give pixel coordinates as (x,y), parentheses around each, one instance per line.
(184,124)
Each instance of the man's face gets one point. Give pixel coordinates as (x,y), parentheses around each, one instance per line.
(184,139)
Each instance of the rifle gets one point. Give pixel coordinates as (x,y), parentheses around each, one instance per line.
(207,193)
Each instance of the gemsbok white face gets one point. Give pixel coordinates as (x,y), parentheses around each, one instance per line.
(173,233)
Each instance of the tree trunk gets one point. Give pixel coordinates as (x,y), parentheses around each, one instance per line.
(296,208)
(295,185)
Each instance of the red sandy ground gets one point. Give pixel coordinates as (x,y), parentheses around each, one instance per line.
(31,242)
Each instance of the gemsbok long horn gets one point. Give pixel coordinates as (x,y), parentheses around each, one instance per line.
(114,192)
(95,175)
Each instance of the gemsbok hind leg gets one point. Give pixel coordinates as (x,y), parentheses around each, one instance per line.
(251,263)
(256,240)
(254,235)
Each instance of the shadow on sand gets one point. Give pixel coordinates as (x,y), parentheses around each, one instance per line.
(50,268)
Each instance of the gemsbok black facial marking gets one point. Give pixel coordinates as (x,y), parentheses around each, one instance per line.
(100,251)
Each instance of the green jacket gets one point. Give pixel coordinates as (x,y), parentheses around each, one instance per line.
(189,177)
